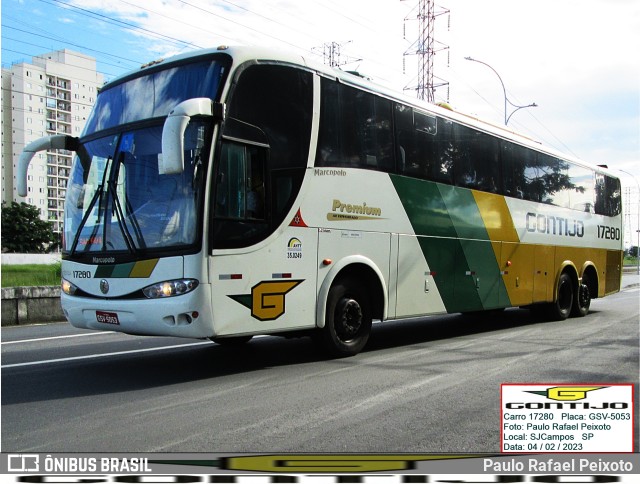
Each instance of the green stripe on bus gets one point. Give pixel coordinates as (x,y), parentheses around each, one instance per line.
(140,269)
(455,243)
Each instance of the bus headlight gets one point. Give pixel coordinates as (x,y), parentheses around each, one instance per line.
(68,287)
(170,288)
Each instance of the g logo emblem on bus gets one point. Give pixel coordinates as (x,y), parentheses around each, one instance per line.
(267,299)
(104,286)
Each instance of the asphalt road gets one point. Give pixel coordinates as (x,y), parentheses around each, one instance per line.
(428,385)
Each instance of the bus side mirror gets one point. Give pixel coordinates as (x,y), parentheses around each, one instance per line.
(171,160)
(54,142)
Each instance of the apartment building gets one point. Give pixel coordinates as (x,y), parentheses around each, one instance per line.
(53,94)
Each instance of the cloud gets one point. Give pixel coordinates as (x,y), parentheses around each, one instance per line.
(575,58)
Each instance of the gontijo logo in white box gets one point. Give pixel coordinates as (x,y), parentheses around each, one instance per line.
(567,418)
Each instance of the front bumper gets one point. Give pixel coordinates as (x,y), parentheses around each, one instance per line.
(187,316)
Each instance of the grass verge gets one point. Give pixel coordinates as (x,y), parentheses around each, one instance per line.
(31,275)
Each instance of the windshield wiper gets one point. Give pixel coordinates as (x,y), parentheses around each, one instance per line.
(120,217)
(96,196)
(120,213)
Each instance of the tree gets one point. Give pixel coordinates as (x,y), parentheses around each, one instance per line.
(23,230)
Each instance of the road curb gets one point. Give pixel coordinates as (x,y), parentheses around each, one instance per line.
(30,305)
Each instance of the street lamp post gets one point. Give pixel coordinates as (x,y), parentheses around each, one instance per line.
(638,227)
(506,99)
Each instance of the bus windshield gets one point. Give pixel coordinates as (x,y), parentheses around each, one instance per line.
(155,94)
(118,202)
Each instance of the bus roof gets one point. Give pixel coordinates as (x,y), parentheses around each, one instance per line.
(241,54)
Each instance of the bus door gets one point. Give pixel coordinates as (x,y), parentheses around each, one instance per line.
(262,274)
(266,289)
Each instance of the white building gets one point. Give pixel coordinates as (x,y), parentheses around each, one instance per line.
(52,95)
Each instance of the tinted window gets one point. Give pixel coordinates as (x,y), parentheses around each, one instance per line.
(544,177)
(581,194)
(278,100)
(608,195)
(154,95)
(476,162)
(264,153)
(445,152)
(415,145)
(355,129)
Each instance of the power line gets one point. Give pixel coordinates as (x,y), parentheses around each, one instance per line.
(121,23)
(331,54)
(145,31)
(48,49)
(172,19)
(237,23)
(277,22)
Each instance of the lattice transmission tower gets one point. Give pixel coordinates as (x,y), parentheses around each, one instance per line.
(426,47)
(332,56)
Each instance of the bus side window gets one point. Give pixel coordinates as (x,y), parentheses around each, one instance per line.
(581,196)
(415,142)
(355,129)
(465,170)
(512,170)
(608,196)
(550,178)
(441,169)
(240,190)
(410,162)
(486,161)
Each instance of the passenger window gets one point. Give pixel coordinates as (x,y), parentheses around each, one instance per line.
(513,170)
(355,129)
(486,159)
(466,172)
(608,195)
(445,153)
(415,139)
(580,194)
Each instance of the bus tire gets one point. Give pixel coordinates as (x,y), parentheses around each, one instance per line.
(582,300)
(348,319)
(560,309)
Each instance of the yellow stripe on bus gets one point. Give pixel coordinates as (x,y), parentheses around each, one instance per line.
(496,217)
(143,268)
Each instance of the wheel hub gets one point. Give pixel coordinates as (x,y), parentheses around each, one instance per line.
(583,295)
(349,318)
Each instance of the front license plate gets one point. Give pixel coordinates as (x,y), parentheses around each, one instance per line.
(107,317)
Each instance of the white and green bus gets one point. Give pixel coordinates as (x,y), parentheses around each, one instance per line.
(236,192)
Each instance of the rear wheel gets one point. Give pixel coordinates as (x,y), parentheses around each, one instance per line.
(348,319)
(582,300)
(560,309)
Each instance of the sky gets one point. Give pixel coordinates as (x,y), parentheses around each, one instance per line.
(576,59)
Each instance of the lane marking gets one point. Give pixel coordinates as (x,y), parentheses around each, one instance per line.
(102,355)
(56,337)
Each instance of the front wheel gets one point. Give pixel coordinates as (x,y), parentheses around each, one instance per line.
(348,319)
